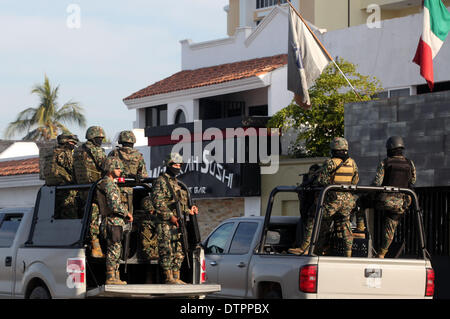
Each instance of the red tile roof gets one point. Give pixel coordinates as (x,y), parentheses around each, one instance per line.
(19,167)
(217,74)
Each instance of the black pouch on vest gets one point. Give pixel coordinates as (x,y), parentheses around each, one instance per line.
(115,233)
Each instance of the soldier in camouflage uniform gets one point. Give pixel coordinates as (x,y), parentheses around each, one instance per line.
(89,160)
(108,194)
(149,236)
(340,169)
(134,167)
(169,243)
(58,170)
(395,170)
(309,209)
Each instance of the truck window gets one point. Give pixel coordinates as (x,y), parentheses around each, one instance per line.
(68,204)
(8,228)
(243,238)
(218,240)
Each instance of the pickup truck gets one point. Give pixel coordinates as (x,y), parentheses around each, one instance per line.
(46,256)
(249,257)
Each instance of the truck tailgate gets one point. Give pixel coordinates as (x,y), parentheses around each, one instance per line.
(340,277)
(152,290)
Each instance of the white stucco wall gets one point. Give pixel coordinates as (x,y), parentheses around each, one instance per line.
(387,52)
(19,190)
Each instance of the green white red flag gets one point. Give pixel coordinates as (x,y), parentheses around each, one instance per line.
(436,26)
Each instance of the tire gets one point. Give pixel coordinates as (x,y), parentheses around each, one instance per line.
(273,294)
(39,292)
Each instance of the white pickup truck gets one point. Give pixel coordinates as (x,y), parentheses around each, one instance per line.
(45,256)
(248,257)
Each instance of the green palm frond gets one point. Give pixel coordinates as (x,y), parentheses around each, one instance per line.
(44,121)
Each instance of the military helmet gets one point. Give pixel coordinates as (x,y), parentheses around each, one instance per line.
(127,137)
(174,158)
(66,138)
(112,163)
(339,144)
(95,131)
(395,142)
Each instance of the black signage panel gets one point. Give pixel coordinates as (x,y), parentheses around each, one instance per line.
(208,178)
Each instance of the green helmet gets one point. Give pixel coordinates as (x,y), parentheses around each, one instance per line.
(112,163)
(66,138)
(95,131)
(127,137)
(174,158)
(339,144)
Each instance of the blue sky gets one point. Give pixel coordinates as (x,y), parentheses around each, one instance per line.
(120,48)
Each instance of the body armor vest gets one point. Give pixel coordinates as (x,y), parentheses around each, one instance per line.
(130,159)
(52,172)
(343,174)
(397,172)
(86,169)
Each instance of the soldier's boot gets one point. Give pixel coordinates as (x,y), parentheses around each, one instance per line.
(96,249)
(169,277)
(382,253)
(176,277)
(110,276)
(298,251)
(117,275)
(348,253)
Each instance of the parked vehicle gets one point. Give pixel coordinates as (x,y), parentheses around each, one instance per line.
(248,257)
(46,256)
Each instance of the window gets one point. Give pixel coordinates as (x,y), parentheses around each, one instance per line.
(180,117)
(218,240)
(67,206)
(8,228)
(156,115)
(260,110)
(268,3)
(399,92)
(243,238)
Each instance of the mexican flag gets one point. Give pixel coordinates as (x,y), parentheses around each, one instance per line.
(436,25)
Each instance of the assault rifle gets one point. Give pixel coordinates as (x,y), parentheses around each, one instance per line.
(127,233)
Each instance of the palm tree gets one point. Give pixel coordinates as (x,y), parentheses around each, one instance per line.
(44,122)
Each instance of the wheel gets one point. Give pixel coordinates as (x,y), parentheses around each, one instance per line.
(39,292)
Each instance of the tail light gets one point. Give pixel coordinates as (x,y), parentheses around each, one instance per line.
(76,272)
(203,272)
(429,288)
(308,279)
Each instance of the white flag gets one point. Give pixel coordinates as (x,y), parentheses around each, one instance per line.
(306,60)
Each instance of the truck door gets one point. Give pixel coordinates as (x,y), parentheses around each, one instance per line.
(233,268)
(215,247)
(9,223)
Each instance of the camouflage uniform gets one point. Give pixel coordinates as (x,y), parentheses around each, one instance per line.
(338,205)
(169,238)
(60,172)
(149,236)
(134,167)
(88,165)
(394,205)
(308,212)
(115,219)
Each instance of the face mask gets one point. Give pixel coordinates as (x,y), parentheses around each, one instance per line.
(173,171)
(97,141)
(69,146)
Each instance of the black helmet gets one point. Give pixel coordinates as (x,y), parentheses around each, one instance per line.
(394,142)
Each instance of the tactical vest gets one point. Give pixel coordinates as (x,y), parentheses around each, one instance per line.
(53,173)
(102,203)
(397,172)
(130,160)
(86,169)
(344,174)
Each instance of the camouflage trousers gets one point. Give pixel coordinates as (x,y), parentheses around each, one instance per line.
(337,211)
(114,242)
(149,239)
(94,226)
(308,227)
(169,245)
(66,204)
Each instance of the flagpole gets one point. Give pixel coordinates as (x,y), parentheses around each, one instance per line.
(323,48)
